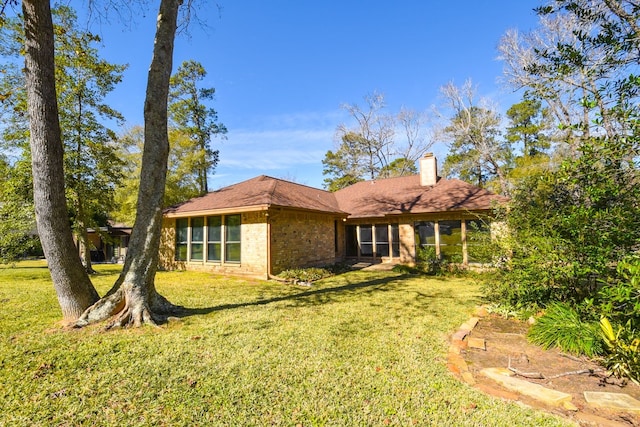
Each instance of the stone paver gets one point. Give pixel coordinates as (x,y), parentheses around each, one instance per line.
(536,391)
(612,400)
(470,324)
(595,420)
(478,343)
(493,391)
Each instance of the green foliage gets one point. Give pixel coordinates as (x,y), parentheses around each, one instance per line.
(399,167)
(569,227)
(476,150)
(18,237)
(528,124)
(17,232)
(182,182)
(481,246)
(83,80)
(560,326)
(427,262)
(305,274)
(126,193)
(619,300)
(343,167)
(370,149)
(195,121)
(623,350)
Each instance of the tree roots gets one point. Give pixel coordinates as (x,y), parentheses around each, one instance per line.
(123,309)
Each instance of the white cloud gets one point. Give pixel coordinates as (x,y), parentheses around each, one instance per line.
(290,146)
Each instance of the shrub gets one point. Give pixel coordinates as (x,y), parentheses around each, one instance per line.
(311,274)
(619,300)
(429,263)
(561,327)
(622,357)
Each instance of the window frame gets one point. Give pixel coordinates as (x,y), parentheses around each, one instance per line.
(181,243)
(451,248)
(198,236)
(228,241)
(212,241)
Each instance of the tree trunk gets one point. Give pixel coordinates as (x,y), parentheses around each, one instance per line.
(133,299)
(73,287)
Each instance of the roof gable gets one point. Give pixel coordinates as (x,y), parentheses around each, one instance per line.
(400,195)
(260,192)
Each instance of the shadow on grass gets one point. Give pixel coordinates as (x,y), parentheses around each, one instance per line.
(316,296)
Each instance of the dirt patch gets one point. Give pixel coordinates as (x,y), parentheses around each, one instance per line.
(506,345)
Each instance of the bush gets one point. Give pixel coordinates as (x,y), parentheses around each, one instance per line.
(619,300)
(561,327)
(622,357)
(311,274)
(429,263)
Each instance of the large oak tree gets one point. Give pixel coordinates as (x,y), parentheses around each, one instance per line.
(134,300)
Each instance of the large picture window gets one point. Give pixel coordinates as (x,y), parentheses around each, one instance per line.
(450,240)
(444,240)
(212,238)
(425,239)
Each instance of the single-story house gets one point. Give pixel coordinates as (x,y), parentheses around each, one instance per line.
(263,226)
(109,243)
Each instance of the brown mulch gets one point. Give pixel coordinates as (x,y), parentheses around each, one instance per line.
(507,346)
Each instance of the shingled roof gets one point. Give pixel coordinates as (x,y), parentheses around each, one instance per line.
(377,198)
(259,193)
(400,195)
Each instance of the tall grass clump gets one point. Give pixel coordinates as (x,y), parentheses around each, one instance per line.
(561,327)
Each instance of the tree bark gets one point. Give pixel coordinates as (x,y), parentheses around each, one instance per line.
(73,287)
(133,300)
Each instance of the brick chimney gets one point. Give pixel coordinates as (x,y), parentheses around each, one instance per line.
(428,170)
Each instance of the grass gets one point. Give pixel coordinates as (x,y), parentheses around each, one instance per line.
(359,349)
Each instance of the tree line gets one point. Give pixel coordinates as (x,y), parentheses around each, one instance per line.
(101,165)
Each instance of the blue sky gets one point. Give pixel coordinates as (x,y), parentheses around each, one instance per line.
(283,68)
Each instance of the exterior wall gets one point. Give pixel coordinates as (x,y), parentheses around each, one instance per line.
(297,239)
(407,243)
(301,239)
(253,258)
(167,256)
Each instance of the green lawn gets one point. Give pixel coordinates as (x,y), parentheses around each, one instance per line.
(361,349)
